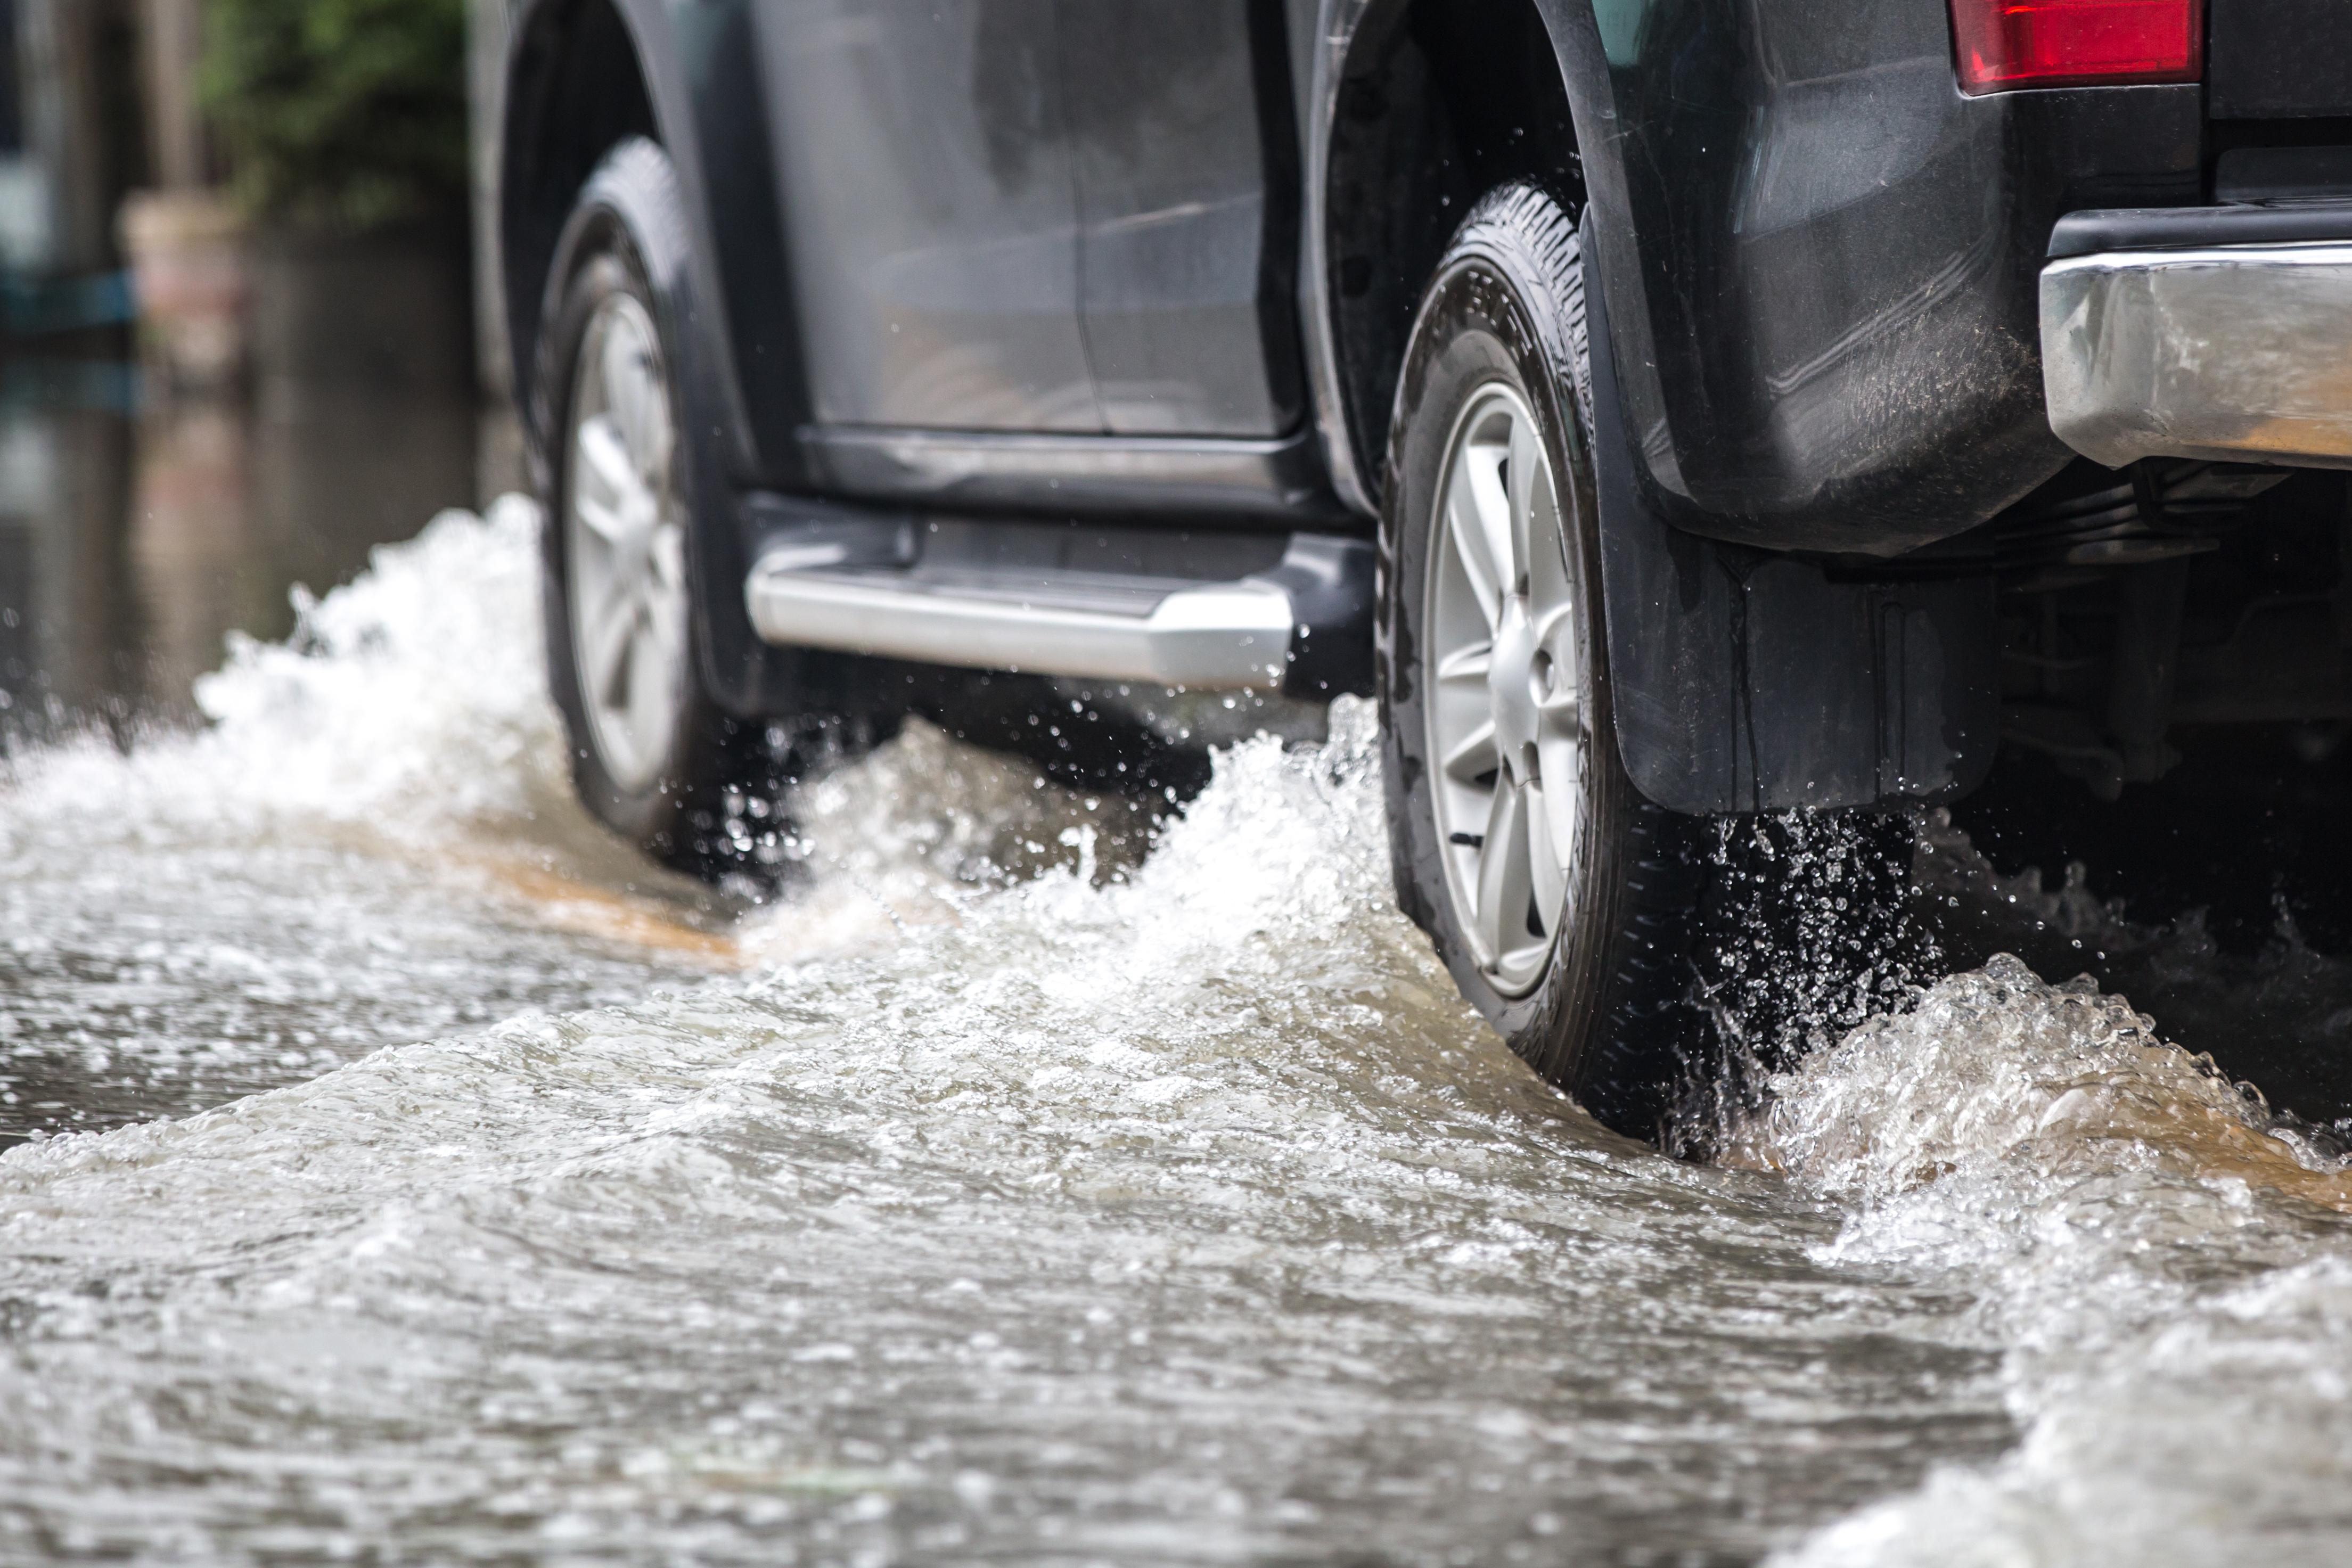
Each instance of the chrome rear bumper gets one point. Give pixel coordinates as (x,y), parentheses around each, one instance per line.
(2229,353)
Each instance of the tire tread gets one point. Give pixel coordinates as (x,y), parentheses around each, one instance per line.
(1612,1023)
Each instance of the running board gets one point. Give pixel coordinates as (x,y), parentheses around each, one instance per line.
(1302,623)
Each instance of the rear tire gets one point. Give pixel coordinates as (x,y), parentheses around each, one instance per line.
(1559,899)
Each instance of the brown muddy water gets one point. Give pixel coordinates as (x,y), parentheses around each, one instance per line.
(403,1174)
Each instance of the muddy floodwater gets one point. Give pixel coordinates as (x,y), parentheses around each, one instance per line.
(403,1172)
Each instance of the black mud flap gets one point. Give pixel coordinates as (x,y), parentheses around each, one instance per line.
(1747,681)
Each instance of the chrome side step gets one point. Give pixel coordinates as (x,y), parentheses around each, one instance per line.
(1231,636)
(817,588)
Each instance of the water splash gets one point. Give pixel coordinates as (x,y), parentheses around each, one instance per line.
(410,697)
(2280,1016)
(2161,1260)
(1027,1198)
(1805,927)
(1994,1066)
(1181,1216)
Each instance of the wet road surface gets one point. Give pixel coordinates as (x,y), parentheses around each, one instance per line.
(1007,1196)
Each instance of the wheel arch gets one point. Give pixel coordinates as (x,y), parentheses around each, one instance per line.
(582,76)
(1412,122)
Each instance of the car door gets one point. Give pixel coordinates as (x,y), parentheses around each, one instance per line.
(1184,150)
(923,150)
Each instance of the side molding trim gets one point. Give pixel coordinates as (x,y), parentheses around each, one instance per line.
(1070,474)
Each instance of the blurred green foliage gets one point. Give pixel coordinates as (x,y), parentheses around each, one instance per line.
(348,114)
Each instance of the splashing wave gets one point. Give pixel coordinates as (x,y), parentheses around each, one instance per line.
(2164,1266)
(413,695)
(1001,1198)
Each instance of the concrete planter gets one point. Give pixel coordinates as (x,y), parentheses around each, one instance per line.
(187,255)
(221,299)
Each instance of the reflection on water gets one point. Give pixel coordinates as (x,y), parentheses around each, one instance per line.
(65,604)
(134,540)
(979,1207)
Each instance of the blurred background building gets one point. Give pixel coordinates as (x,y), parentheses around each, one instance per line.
(72,130)
(241,336)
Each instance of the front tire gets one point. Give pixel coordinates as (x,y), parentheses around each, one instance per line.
(1558,898)
(650,750)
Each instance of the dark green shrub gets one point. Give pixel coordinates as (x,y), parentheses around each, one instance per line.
(345,114)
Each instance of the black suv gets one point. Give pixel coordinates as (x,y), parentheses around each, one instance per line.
(1668,408)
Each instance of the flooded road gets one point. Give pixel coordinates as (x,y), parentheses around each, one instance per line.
(447,1188)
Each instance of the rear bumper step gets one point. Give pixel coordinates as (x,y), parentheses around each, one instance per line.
(1302,627)
(2232,343)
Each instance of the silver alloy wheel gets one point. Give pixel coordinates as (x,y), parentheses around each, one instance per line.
(1502,665)
(625,544)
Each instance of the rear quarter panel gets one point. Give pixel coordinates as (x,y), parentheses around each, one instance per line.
(1821,257)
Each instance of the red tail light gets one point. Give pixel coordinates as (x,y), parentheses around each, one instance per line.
(2003,44)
